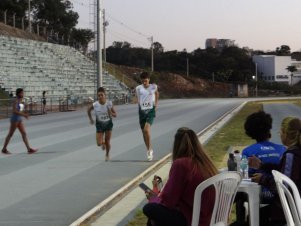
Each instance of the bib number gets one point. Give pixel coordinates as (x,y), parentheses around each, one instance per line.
(147,105)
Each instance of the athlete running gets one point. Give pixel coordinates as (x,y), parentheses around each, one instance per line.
(16,122)
(104,111)
(147,97)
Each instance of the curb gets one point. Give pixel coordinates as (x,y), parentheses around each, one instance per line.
(103,206)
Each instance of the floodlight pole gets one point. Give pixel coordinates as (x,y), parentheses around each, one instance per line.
(99,51)
(256,88)
(152,50)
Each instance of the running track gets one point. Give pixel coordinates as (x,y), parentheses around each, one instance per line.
(68,176)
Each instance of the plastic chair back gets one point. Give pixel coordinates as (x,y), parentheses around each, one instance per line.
(225,186)
(289,197)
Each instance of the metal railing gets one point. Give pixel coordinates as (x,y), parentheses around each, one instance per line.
(34,106)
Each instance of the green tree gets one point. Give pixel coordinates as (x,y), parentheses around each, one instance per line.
(291,69)
(14,6)
(56,15)
(158,48)
(283,50)
(82,37)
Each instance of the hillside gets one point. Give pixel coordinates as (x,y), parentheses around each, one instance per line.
(172,85)
(19,33)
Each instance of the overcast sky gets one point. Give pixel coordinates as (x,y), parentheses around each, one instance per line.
(258,24)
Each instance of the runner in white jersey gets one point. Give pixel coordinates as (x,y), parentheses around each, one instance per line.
(147,97)
(104,111)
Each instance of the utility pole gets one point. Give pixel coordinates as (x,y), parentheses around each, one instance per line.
(99,52)
(29,19)
(256,88)
(212,76)
(105,23)
(152,50)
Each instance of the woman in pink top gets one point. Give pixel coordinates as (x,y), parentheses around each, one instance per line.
(191,166)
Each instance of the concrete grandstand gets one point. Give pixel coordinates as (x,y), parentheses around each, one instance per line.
(60,70)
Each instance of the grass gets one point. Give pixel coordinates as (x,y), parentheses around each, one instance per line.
(139,219)
(232,134)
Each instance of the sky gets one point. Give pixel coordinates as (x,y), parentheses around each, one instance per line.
(186,24)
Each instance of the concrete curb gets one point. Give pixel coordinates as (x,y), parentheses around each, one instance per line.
(103,206)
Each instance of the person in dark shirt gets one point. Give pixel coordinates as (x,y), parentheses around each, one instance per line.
(290,165)
(44,102)
(191,166)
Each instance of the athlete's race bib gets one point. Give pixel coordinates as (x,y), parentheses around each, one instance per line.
(103,117)
(147,103)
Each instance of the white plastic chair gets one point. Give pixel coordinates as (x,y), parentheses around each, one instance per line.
(289,197)
(225,186)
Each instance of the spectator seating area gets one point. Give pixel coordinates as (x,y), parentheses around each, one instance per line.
(60,70)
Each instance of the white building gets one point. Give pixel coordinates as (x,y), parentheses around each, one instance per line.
(272,68)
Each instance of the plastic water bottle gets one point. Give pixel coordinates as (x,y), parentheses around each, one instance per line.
(244,167)
(237,158)
(232,166)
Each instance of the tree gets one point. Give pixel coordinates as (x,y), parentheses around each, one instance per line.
(158,48)
(291,69)
(56,15)
(82,37)
(14,6)
(283,50)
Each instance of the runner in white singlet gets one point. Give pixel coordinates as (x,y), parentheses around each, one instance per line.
(104,111)
(147,97)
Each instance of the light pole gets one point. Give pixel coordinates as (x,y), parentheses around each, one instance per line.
(151,39)
(99,52)
(256,88)
(152,52)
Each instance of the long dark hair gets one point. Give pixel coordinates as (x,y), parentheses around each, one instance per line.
(187,144)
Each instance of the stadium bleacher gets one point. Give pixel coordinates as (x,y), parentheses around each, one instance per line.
(60,70)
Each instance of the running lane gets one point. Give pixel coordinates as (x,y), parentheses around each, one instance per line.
(68,176)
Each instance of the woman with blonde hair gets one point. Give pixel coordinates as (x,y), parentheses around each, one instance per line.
(290,165)
(191,166)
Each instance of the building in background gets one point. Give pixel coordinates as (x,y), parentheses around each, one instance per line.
(273,68)
(219,43)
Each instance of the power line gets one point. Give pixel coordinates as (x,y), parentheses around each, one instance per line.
(125,36)
(79,3)
(128,27)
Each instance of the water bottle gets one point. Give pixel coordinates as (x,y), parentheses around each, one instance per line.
(244,167)
(232,166)
(237,158)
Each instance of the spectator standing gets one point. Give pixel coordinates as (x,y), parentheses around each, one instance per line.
(44,102)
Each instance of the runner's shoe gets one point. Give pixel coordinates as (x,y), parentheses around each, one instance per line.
(150,155)
(32,151)
(5,152)
(107,158)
